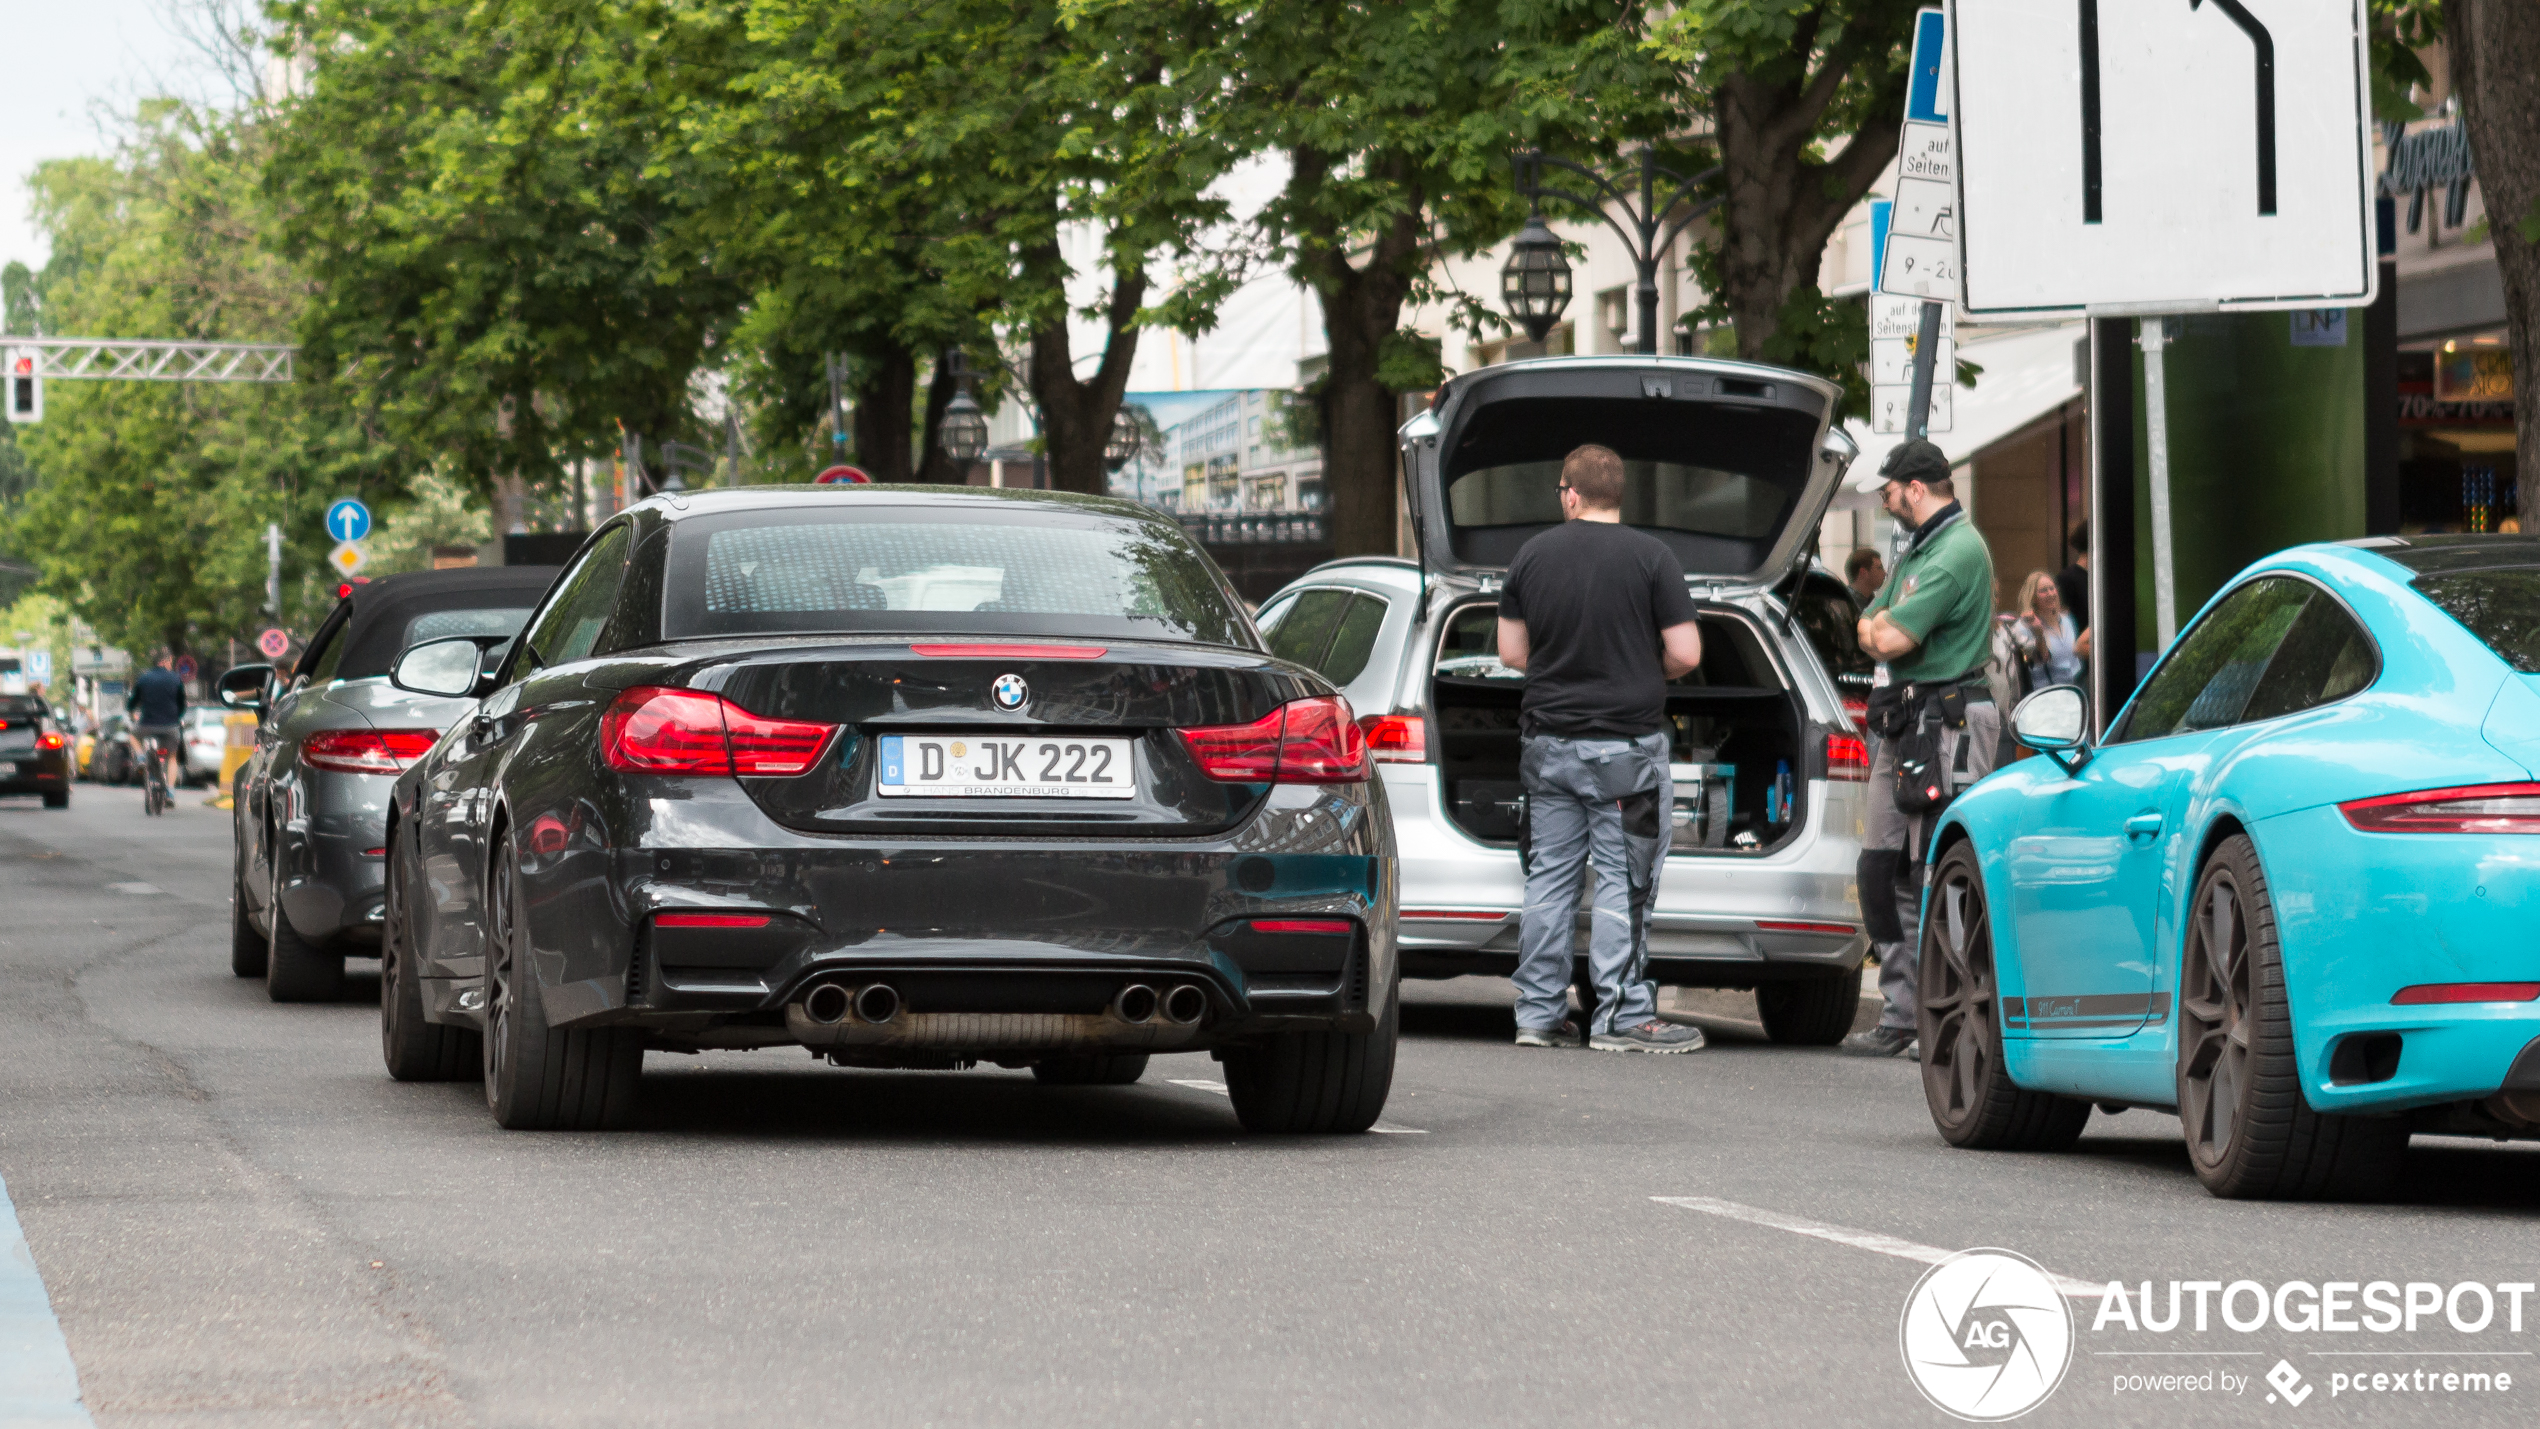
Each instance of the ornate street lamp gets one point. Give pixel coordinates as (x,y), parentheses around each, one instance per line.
(1127,439)
(1535,284)
(963,431)
(1647,239)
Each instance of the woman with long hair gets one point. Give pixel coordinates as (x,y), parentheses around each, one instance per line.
(2054,660)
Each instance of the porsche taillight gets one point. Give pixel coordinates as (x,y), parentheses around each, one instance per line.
(1308,741)
(2472,809)
(367,751)
(660,729)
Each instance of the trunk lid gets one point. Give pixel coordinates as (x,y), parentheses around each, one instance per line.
(1732,464)
(1112,689)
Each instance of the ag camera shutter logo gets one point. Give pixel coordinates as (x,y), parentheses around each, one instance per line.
(1986,1336)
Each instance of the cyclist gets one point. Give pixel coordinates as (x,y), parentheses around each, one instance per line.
(157,706)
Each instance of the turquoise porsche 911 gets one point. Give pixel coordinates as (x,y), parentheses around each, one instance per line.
(2293,894)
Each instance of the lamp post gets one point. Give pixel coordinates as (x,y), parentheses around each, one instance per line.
(1535,284)
(963,432)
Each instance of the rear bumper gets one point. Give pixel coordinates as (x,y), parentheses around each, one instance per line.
(1718,921)
(47,773)
(333,885)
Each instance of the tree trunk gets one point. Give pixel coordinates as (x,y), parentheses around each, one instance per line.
(884,389)
(2495,53)
(1782,204)
(1362,307)
(1076,416)
(934,463)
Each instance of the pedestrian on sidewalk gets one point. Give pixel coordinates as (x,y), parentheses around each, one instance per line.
(1597,616)
(1931,713)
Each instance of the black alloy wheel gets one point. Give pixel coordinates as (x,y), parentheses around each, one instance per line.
(416,1050)
(1316,1082)
(1812,1011)
(297,969)
(1096,1069)
(1974,1103)
(537,1077)
(2251,1134)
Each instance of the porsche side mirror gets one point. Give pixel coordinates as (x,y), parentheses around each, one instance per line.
(446,667)
(2056,723)
(243,687)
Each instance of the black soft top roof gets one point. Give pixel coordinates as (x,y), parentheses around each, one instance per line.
(383,608)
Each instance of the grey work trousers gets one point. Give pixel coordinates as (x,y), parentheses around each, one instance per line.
(1968,755)
(1597,804)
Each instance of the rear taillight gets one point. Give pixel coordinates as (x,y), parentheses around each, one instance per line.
(2476,809)
(48,740)
(710,920)
(367,751)
(657,729)
(1847,758)
(1308,741)
(2427,993)
(1396,738)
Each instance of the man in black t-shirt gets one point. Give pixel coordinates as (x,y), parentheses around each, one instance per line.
(1597,616)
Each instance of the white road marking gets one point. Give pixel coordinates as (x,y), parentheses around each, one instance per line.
(1857,1239)
(136,889)
(38,1384)
(1220,1089)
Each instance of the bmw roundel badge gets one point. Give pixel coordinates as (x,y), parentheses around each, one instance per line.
(1010,691)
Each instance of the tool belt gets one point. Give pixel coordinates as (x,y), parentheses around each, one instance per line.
(1914,720)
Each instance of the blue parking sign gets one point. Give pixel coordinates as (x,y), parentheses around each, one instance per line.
(348,520)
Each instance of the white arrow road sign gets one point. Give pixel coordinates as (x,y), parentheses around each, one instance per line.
(2162,155)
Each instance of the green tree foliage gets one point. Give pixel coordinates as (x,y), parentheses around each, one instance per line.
(149,502)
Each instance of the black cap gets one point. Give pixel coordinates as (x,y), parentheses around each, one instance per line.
(1917,460)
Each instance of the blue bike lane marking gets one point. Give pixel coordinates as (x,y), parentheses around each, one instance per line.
(38,1384)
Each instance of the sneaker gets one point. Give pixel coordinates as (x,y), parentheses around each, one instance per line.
(1649,1037)
(1878,1042)
(1565,1035)
(1914,1050)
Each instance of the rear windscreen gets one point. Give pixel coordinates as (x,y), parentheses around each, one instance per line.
(1716,482)
(2501,607)
(1026,570)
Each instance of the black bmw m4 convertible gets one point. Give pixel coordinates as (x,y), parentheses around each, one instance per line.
(912,777)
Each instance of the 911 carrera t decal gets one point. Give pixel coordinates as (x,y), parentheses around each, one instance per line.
(2097,1009)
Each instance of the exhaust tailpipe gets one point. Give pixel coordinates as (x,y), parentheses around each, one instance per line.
(878,1003)
(826,1004)
(1186,1004)
(1136,1003)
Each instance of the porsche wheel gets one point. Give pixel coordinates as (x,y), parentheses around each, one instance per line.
(1974,1103)
(537,1077)
(2251,1134)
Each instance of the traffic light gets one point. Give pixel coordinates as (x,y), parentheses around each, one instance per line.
(26,390)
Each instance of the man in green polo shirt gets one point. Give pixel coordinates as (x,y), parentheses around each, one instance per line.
(1930,628)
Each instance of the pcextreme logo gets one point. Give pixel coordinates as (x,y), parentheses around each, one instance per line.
(1986,1336)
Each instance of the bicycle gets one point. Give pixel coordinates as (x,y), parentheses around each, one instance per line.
(154,748)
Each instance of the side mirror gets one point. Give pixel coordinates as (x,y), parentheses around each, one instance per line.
(446,667)
(244,686)
(2056,723)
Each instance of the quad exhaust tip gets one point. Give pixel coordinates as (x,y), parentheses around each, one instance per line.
(1186,1004)
(826,1004)
(878,1003)
(1136,1003)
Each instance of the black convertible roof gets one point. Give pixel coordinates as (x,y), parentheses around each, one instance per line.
(382,608)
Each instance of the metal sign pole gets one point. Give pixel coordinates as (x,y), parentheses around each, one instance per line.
(2156,421)
(1926,358)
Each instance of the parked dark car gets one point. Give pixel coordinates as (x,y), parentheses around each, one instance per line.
(311,804)
(913,777)
(35,751)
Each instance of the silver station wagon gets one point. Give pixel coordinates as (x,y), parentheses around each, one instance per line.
(1731,464)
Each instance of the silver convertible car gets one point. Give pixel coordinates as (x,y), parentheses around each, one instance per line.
(1733,465)
(311,804)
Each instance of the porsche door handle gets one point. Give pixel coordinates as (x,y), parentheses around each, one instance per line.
(2143,826)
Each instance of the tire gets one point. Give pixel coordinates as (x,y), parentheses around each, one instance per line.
(1316,1082)
(247,947)
(1974,1103)
(1814,1012)
(58,799)
(2251,1135)
(541,1078)
(416,1050)
(297,969)
(1100,1069)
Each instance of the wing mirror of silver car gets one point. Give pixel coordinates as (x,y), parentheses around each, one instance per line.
(2056,723)
(243,687)
(448,667)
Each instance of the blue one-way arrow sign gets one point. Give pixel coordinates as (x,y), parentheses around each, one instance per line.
(348,520)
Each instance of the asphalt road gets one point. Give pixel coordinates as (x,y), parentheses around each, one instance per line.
(241,1220)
